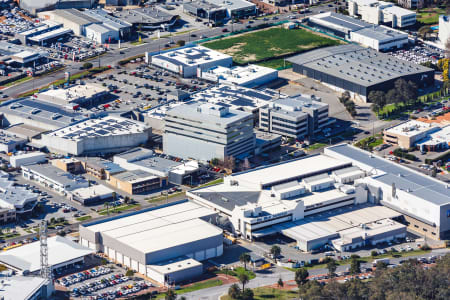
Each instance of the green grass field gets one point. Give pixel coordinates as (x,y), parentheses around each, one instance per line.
(195,287)
(429,16)
(273,42)
(117,209)
(84,218)
(277,63)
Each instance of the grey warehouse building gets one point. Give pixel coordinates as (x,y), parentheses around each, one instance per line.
(35,6)
(358,70)
(165,243)
(203,9)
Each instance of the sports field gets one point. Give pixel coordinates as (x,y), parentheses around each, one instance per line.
(273,42)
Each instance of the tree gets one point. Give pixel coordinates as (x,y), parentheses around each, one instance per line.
(393,96)
(129,273)
(345,97)
(181,43)
(170,295)
(280,283)
(301,278)
(331,266)
(378,98)
(424,31)
(354,266)
(87,65)
(275,251)
(234,291)
(244,258)
(373,253)
(243,279)
(247,294)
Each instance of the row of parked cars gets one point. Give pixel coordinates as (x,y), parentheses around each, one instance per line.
(123,291)
(81,276)
(93,286)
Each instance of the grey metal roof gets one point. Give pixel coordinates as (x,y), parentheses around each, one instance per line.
(229,200)
(132,175)
(419,185)
(357,64)
(352,24)
(21,287)
(55,174)
(76,16)
(144,15)
(381,33)
(15,195)
(108,20)
(157,163)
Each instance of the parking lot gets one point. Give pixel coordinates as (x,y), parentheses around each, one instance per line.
(102,282)
(419,54)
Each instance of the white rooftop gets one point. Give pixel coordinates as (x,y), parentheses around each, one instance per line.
(92,191)
(105,126)
(241,75)
(27,257)
(20,287)
(72,93)
(411,128)
(165,227)
(175,265)
(192,56)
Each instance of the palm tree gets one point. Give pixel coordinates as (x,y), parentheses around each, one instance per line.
(243,278)
(280,283)
(244,258)
(275,251)
(234,291)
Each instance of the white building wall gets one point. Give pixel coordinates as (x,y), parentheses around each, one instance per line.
(444,29)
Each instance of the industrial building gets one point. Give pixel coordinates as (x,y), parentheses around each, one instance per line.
(147,18)
(186,61)
(411,4)
(33,6)
(266,142)
(71,19)
(236,9)
(436,141)
(26,288)
(71,165)
(16,200)
(169,170)
(62,253)
(54,178)
(40,115)
(10,142)
(94,194)
(136,182)
(101,34)
(103,135)
(358,70)
(118,27)
(380,38)
(208,131)
(164,243)
(46,26)
(423,201)
(205,10)
(28,158)
(379,12)
(247,76)
(71,96)
(298,117)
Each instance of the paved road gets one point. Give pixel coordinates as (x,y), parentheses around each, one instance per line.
(271,278)
(113,56)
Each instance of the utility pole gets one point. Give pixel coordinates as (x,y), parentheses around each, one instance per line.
(45,269)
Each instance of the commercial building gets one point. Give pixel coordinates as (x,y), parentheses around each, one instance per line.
(236,9)
(444,29)
(20,56)
(54,178)
(247,76)
(411,4)
(62,254)
(164,243)
(26,288)
(380,38)
(136,182)
(94,194)
(100,168)
(146,160)
(266,142)
(71,165)
(103,135)
(297,117)
(101,34)
(238,98)
(33,6)
(71,19)
(187,61)
(208,131)
(205,10)
(15,200)
(436,141)
(379,12)
(358,70)
(120,2)
(423,201)
(407,134)
(40,115)
(337,24)
(44,27)
(87,94)
(27,159)
(118,26)
(147,18)
(10,142)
